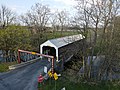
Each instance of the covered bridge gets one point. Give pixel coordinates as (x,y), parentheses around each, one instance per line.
(62,48)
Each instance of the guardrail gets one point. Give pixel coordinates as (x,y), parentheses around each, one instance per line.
(34,53)
(23,64)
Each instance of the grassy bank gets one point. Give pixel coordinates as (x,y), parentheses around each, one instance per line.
(5,66)
(61,83)
(70,80)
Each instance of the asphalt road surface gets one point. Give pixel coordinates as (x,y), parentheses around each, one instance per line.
(24,78)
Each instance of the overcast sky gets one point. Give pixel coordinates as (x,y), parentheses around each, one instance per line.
(21,6)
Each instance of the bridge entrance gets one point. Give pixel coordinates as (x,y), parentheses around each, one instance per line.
(47,50)
(51,58)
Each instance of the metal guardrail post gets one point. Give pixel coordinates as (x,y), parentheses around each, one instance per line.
(19,57)
(53,65)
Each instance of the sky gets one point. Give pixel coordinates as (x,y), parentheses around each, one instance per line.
(22,6)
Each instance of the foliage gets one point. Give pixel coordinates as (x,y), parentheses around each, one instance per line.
(13,38)
(36,41)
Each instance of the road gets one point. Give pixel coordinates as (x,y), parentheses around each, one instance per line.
(24,78)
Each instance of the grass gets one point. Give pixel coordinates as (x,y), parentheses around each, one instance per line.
(57,34)
(50,85)
(5,66)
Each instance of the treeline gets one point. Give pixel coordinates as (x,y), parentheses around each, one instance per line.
(100,21)
(29,30)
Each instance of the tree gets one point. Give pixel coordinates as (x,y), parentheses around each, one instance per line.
(7,17)
(37,17)
(63,19)
(100,15)
(109,41)
(81,22)
(87,17)
(13,38)
(54,22)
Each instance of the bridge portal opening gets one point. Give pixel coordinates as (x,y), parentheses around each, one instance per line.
(47,50)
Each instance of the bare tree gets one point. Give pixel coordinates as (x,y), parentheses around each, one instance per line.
(63,19)
(100,15)
(54,22)
(81,23)
(109,40)
(6,16)
(37,17)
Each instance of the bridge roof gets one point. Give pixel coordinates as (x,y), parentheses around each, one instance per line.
(60,42)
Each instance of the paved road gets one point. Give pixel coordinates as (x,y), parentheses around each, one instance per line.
(24,78)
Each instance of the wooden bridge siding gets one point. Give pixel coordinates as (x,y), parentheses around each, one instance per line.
(70,49)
